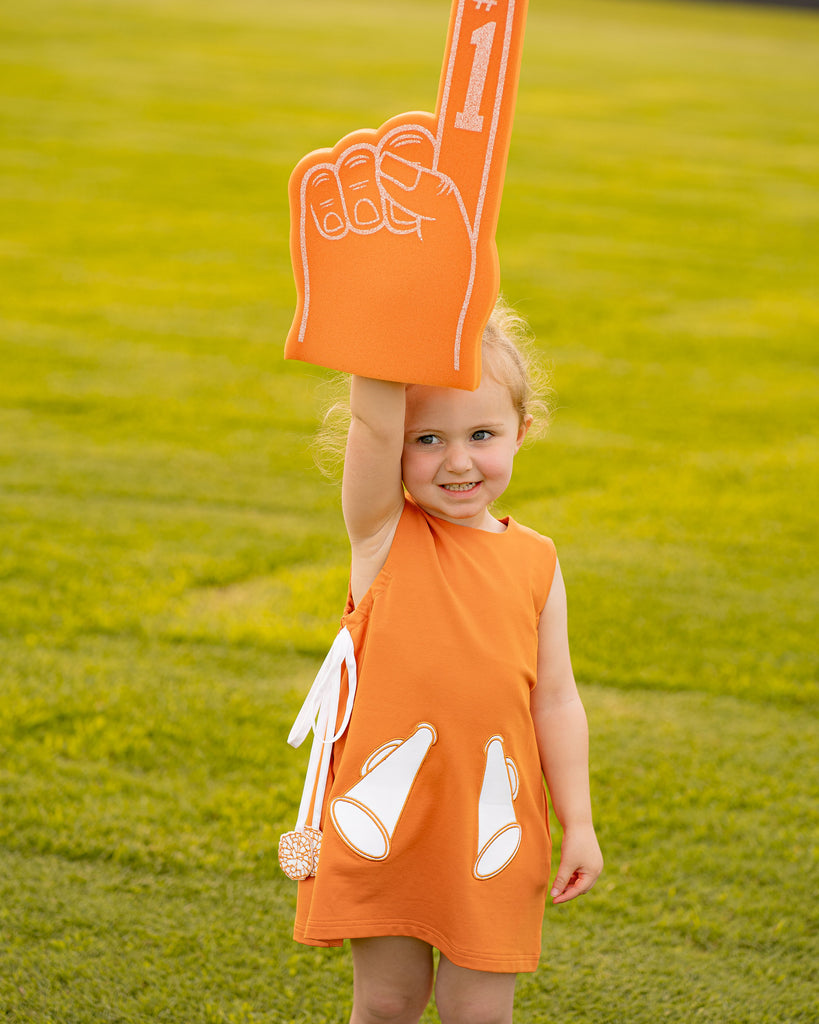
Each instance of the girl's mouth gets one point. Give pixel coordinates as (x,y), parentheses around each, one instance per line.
(460,488)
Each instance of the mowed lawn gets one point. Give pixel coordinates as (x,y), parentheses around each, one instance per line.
(172,566)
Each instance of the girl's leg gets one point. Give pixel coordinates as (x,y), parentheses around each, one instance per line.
(464,996)
(392,979)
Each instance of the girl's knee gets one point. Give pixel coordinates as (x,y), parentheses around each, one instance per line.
(388,1006)
(392,980)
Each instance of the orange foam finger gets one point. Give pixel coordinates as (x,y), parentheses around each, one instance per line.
(392,231)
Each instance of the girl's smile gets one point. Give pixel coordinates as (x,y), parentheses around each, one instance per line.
(459,447)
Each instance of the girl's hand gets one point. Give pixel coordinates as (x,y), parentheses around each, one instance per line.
(580,864)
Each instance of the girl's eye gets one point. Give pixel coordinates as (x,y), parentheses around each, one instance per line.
(481,435)
(427,439)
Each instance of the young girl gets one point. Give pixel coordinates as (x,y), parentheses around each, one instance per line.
(448,697)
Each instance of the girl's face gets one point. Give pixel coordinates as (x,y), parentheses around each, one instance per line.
(459,447)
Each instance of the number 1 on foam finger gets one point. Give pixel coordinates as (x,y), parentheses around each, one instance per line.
(470,119)
(476,97)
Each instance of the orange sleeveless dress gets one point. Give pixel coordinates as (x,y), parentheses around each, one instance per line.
(434,818)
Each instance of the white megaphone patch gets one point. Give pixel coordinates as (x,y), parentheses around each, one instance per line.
(366,815)
(499,833)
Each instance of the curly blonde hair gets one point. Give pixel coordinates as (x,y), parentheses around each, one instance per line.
(508,355)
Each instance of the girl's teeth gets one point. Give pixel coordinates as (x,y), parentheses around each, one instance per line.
(458,487)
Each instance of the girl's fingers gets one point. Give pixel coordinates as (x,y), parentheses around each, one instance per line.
(578,884)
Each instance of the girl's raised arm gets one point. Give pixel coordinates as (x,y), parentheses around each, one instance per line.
(372,496)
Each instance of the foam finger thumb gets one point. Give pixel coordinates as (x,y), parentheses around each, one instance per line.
(414,187)
(400,172)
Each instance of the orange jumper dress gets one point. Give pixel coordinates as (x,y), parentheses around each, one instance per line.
(434,819)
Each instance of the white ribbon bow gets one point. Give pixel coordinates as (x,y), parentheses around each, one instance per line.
(319,713)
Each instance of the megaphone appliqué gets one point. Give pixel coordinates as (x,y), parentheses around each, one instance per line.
(499,833)
(366,815)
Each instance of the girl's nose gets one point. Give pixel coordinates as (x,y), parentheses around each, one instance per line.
(458,459)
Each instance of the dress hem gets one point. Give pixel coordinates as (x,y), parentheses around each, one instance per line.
(472,959)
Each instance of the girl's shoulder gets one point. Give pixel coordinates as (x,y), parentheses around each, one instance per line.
(529,536)
(535,559)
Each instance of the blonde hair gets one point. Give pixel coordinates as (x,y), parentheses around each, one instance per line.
(508,355)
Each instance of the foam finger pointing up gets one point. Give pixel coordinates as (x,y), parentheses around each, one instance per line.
(476,102)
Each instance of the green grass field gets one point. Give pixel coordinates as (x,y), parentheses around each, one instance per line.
(172,568)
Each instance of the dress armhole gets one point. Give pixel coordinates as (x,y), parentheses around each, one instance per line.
(545,569)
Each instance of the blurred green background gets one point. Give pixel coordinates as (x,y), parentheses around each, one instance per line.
(172,567)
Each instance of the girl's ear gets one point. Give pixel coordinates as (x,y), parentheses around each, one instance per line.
(523,430)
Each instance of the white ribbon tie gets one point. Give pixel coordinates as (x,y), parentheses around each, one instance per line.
(319,713)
